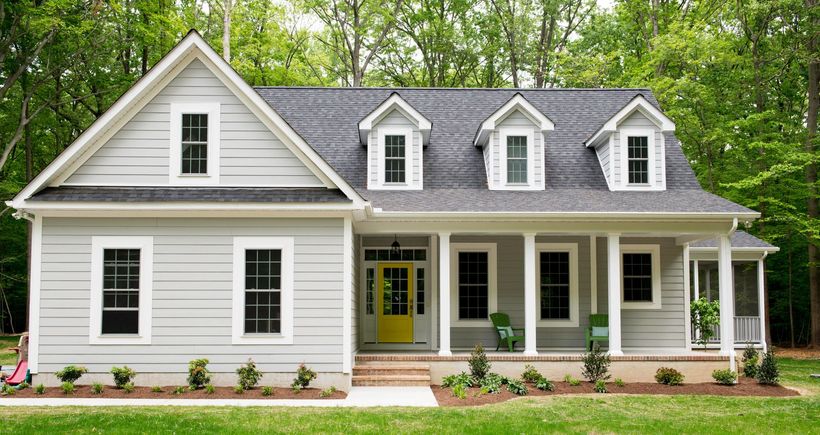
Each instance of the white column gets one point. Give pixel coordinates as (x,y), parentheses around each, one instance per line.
(727,311)
(444,293)
(687,300)
(434,283)
(614,292)
(530,299)
(761,300)
(593,274)
(697,289)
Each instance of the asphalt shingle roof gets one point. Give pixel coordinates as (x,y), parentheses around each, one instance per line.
(188,194)
(739,239)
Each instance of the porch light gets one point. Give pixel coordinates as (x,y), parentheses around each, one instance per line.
(395,248)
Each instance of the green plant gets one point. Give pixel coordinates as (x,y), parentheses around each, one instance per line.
(122,375)
(724,377)
(669,376)
(156,389)
(530,374)
(198,374)
(67,387)
(249,375)
(296,388)
(574,382)
(303,376)
(40,389)
(210,389)
(705,316)
(596,365)
(71,373)
(517,386)
(462,378)
(460,391)
(478,362)
(6,390)
(129,387)
(179,390)
(750,362)
(619,383)
(600,386)
(567,378)
(238,389)
(23,385)
(545,384)
(492,383)
(327,392)
(96,388)
(768,373)
(267,391)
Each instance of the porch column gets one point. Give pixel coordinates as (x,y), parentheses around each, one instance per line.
(727,311)
(530,299)
(444,293)
(761,298)
(614,292)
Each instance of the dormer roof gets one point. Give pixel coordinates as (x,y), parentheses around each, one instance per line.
(640,104)
(517,102)
(395,102)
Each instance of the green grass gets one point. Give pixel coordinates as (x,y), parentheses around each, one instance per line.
(570,414)
(7,357)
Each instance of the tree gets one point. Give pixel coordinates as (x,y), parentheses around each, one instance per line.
(813,96)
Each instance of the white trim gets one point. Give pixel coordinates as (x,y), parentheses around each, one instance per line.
(175,175)
(34,297)
(240,245)
(687,299)
(614,292)
(444,293)
(518,102)
(184,206)
(593,274)
(655,252)
(624,184)
(531,183)
(574,277)
(409,183)
(347,297)
(146,246)
(761,300)
(434,284)
(530,296)
(395,101)
(492,292)
(641,104)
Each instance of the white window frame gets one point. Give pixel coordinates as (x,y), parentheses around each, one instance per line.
(176,177)
(146,246)
(492,291)
(408,134)
(655,252)
(503,133)
(240,245)
(574,310)
(649,133)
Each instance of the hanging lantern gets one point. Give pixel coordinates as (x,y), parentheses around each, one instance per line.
(395,248)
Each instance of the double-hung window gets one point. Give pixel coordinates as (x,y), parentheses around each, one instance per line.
(473,283)
(638,159)
(394,158)
(557,278)
(517,159)
(641,282)
(121,291)
(195,143)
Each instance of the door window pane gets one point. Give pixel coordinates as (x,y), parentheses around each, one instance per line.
(395,292)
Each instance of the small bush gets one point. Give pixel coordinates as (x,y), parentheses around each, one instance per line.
(7,390)
(596,365)
(249,375)
(128,388)
(462,378)
(492,383)
(619,383)
(267,391)
(669,376)
(530,374)
(198,374)
(179,390)
(156,389)
(600,386)
(67,387)
(238,389)
(460,391)
(516,386)
(296,388)
(122,375)
(574,382)
(750,361)
(210,389)
(96,388)
(768,373)
(724,377)
(71,373)
(40,389)
(568,377)
(303,376)
(23,385)
(327,392)
(545,384)
(478,362)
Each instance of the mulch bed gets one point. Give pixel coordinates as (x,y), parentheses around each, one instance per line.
(745,387)
(84,391)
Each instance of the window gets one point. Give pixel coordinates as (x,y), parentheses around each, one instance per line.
(394,153)
(557,281)
(390,255)
(371,290)
(473,290)
(516,159)
(638,159)
(420,290)
(641,282)
(263,290)
(194,143)
(121,281)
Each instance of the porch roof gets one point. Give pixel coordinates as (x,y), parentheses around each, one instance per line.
(740,239)
(191,194)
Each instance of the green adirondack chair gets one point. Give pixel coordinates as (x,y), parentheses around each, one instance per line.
(597,321)
(506,333)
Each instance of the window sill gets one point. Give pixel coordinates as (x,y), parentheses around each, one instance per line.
(193,175)
(113,339)
(471,323)
(262,339)
(641,305)
(557,323)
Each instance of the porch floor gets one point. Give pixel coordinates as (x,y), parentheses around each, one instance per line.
(632,354)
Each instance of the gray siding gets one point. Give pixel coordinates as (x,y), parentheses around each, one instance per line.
(192,291)
(395,119)
(603,152)
(250,153)
(518,120)
(637,120)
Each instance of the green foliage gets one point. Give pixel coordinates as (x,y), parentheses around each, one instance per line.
(303,376)
(40,389)
(238,389)
(462,378)
(67,387)
(267,391)
(7,390)
(750,361)
(249,375)
(705,316)
(129,387)
(327,392)
(296,388)
(669,376)
(156,389)
(600,386)
(544,384)
(530,374)
(23,385)
(491,383)
(198,374)
(619,383)
(179,390)
(596,365)
(478,362)
(573,382)
(516,386)
(70,373)
(460,391)
(122,375)
(96,388)
(768,373)
(724,376)
(210,389)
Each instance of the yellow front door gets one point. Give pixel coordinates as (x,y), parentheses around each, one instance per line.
(395,302)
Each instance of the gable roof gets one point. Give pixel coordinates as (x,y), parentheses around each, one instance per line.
(740,240)
(516,103)
(638,104)
(395,102)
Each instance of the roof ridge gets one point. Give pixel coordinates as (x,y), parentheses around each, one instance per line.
(420,88)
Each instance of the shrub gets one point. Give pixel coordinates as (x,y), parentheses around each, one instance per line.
(567,378)
(460,391)
(462,378)
(267,391)
(668,376)
(492,383)
(574,382)
(129,387)
(303,376)
(768,373)
(750,361)
(724,377)
(6,390)
(516,386)
(179,390)
(156,389)
(67,387)
(210,389)
(531,374)
(198,374)
(296,388)
(249,375)
(122,375)
(327,392)
(96,388)
(478,362)
(545,384)
(238,389)
(705,316)
(40,389)
(23,385)
(71,373)
(600,386)
(619,383)
(596,365)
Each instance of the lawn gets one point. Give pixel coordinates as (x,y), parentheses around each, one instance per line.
(579,414)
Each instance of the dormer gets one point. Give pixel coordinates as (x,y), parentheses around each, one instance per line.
(631,147)
(513,140)
(395,135)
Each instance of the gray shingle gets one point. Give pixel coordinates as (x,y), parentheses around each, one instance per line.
(188,194)
(740,239)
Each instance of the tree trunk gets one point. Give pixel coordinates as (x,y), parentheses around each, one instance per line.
(226,31)
(811,173)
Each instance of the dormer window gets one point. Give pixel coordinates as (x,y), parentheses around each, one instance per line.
(516,159)
(638,159)
(194,148)
(394,158)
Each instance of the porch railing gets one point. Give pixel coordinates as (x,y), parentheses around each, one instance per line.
(747,329)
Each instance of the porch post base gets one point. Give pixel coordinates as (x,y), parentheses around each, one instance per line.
(445,353)
(530,352)
(616,353)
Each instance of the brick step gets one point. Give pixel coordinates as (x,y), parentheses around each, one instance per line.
(391,380)
(384,369)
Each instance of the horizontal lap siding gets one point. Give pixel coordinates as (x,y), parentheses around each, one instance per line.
(396,119)
(192,295)
(638,120)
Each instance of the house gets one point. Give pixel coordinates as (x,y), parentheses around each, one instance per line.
(350,229)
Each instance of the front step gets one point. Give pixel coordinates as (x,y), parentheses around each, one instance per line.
(392,375)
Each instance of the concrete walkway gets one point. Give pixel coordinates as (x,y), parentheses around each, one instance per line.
(357,397)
